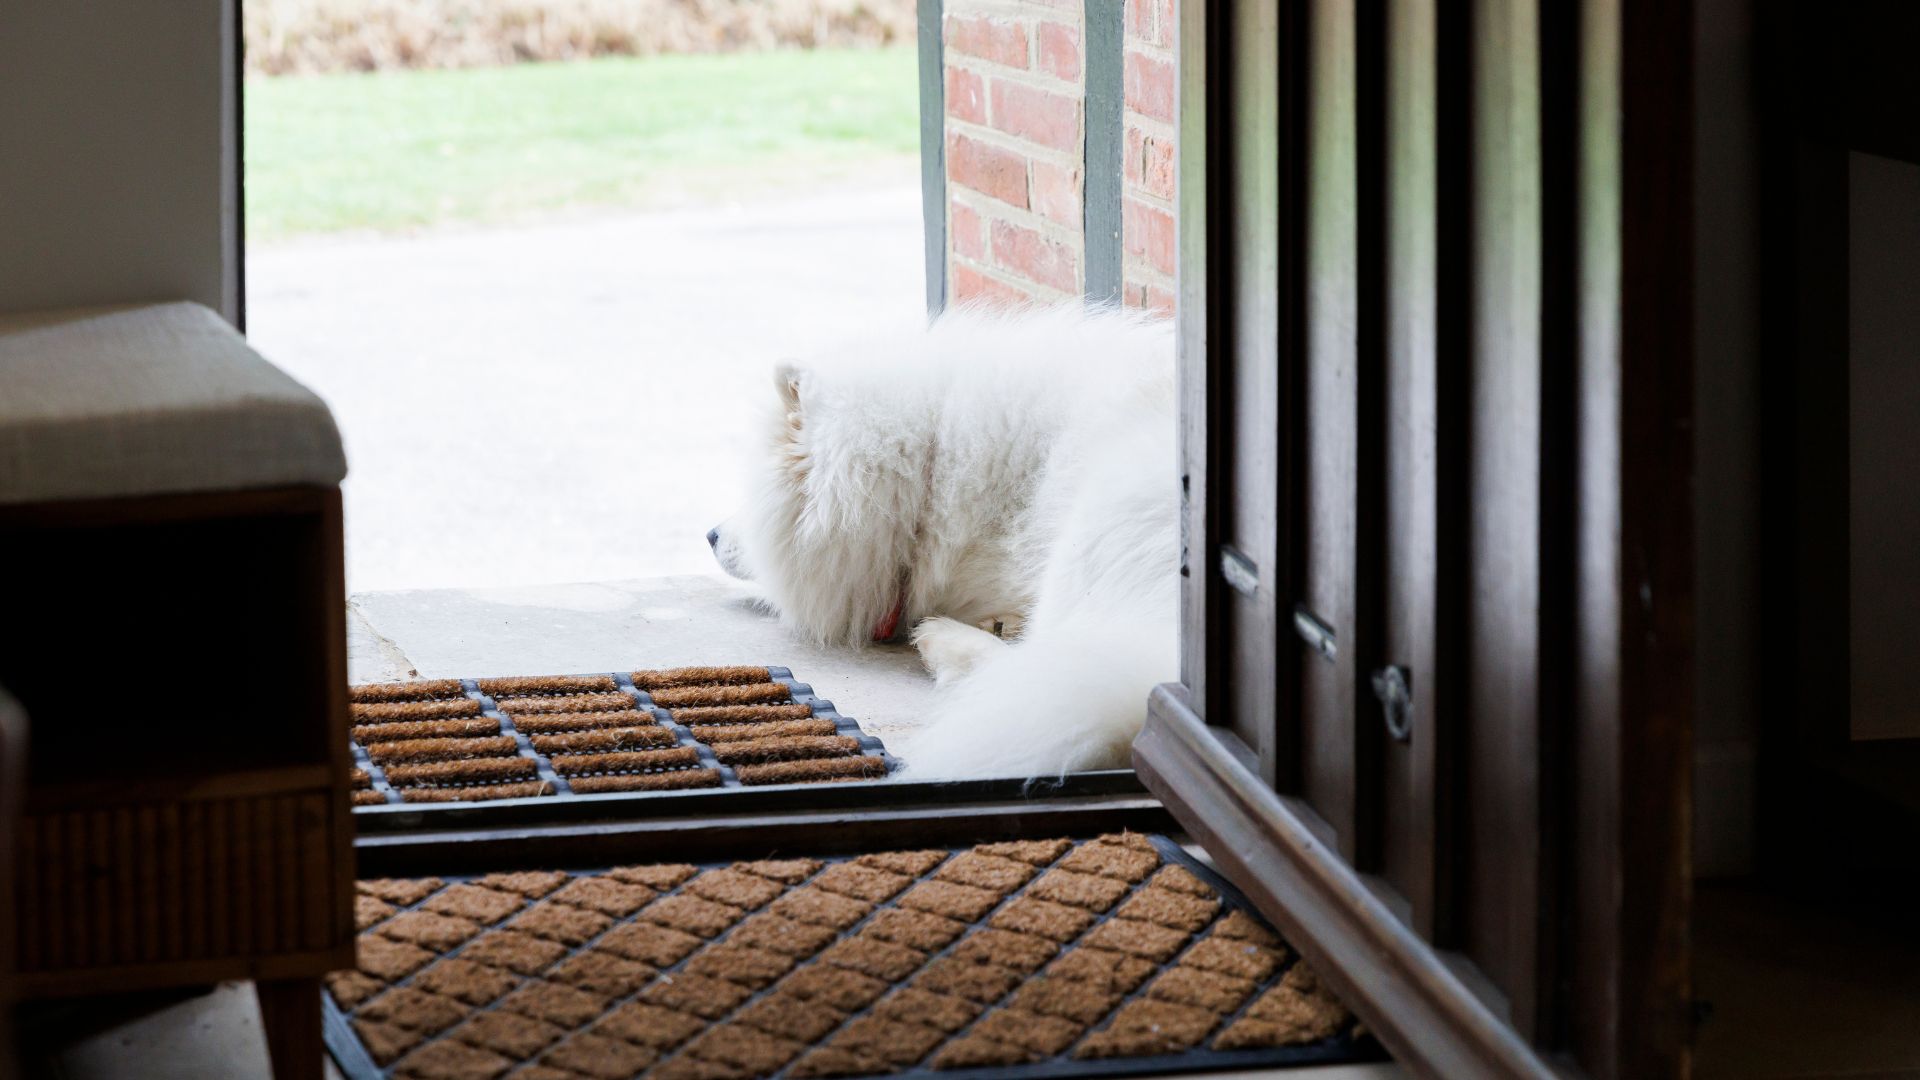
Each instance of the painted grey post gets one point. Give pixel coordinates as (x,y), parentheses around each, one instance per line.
(1106,97)
(933,153)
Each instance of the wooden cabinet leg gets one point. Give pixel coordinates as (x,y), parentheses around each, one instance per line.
(290,1014)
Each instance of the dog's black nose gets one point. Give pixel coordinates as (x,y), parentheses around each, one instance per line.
(713,536)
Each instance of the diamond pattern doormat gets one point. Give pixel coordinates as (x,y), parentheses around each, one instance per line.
(1025,959)
(471,740)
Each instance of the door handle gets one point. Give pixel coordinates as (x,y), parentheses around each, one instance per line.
(1392,686)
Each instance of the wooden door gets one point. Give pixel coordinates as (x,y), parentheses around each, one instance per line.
(1435,337)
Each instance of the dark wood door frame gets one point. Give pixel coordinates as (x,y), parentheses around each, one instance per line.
(1435,711)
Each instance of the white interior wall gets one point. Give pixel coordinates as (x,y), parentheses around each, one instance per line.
(118,173)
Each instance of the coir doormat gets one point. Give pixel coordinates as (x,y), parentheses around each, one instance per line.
(470,740)
(1112,956)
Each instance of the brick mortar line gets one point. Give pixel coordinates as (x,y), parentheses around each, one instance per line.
(1038,290)
(1014,144)
(1047,228)
(1148,198)
(1079,277)
(1152,125)
(1134,43)
(1146,267)
(1035,77)
(1130,276)
(1043,225)
(1149,48)
(1022,294)
(1033,291)
(1163,283)
(1027,293)
(1075,92)
(987,204)
(1152,202)
(1012,10)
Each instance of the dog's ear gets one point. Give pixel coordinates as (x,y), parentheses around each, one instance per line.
(787,377)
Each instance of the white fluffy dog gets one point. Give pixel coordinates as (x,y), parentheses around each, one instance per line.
(990,472)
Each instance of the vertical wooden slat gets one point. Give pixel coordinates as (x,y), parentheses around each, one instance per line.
(330,540)
(1629,976)
(223,884)
(1204,346)
(287,838)
(262,871)
(80,946)
(315,886)
(147,881)
(1444,767)
(193,876)
(1596,828)
(112,921)
(1559,121)
(1372,187)
(1253,392)
(125,916)
(173,875)
(1501,721)
(1326,525)
(1411,816)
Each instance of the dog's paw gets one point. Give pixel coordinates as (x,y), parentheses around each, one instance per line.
(950,648)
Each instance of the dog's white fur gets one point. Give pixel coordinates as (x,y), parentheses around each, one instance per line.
(991,469)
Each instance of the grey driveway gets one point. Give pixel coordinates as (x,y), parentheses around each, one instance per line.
(569,401)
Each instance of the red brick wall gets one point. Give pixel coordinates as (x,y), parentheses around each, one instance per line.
(1015,125)
(1014,90)
(1146,192)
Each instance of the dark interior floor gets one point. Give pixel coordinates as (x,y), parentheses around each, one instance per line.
(1798,990)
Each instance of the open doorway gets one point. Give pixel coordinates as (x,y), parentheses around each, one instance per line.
(511,243)
(541,255)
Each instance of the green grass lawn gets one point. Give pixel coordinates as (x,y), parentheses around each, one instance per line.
(412,149)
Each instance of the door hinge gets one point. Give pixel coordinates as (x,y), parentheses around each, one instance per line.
(1239,572)
(1318,635)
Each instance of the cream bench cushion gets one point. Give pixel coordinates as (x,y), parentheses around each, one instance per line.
(148,400)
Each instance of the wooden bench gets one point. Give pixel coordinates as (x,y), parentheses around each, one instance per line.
(170,529)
